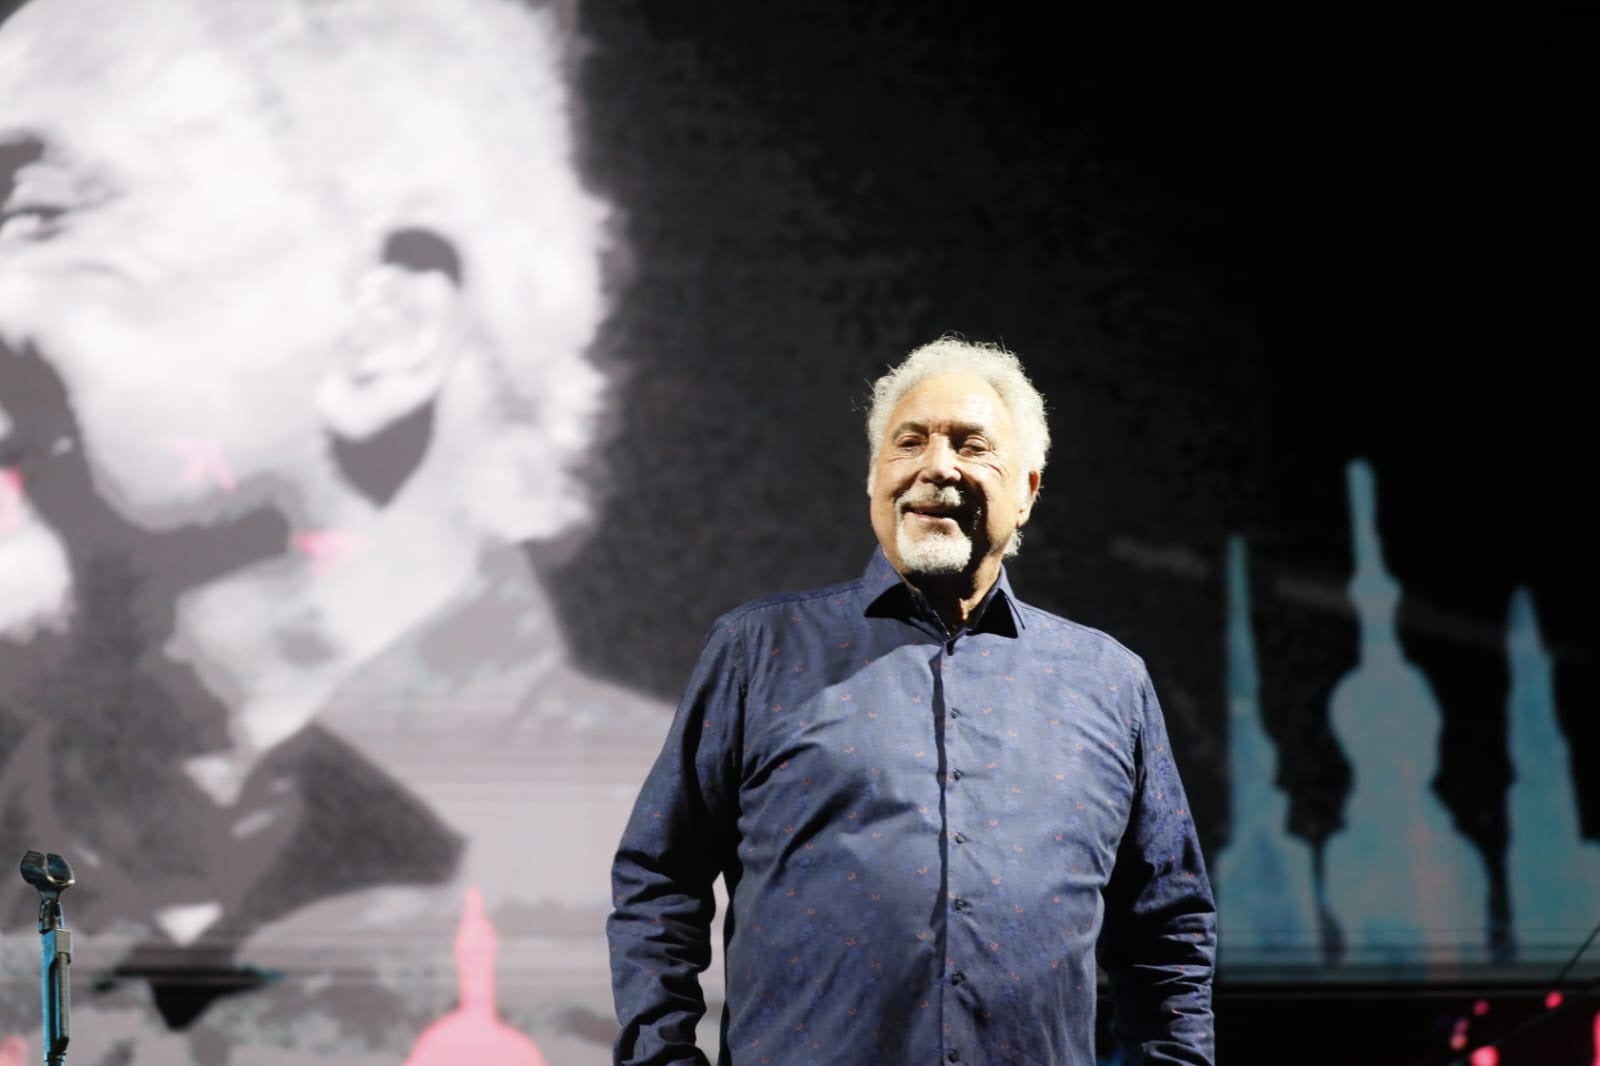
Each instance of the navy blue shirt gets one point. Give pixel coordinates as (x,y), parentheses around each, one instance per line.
(928,840)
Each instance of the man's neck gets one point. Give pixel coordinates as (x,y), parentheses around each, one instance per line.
(276,641)
(957,597)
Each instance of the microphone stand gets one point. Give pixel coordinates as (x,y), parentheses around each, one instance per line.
(51,875)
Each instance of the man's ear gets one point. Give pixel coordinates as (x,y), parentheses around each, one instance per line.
(396,355)
(1029,494)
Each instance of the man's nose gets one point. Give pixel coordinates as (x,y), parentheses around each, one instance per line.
(939,462)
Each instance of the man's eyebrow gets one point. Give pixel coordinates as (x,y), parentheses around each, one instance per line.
(963,429)
(908,424)
(16,153)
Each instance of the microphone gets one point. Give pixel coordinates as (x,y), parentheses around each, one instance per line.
(52,875)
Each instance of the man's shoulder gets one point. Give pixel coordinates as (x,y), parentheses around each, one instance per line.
(795,606)
(1084,641)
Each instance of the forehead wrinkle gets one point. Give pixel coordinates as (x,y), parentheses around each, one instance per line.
(948,426)
(59,50)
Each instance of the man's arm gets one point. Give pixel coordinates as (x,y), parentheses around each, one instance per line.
(1159,942)
(676,843)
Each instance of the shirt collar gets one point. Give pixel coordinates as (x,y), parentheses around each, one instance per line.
(888,595)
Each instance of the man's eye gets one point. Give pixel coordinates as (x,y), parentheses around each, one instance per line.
(974,447)
(43,195)
(908,443)
(31,222)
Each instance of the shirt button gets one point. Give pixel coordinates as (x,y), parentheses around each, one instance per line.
(957,977)
(953,1055)
(955,712)
(956,775)
(962,905)
(959,838)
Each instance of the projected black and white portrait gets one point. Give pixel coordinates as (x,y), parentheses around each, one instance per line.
(295,305)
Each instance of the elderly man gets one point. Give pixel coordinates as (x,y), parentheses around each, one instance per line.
(935,808)
(295,301)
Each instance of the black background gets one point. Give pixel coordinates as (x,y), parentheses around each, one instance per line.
(1234,253)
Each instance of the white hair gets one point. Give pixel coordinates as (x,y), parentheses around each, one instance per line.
(955,355)
(458,118)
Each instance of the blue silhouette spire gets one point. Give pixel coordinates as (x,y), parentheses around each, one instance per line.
(1404,887)
(1266,910)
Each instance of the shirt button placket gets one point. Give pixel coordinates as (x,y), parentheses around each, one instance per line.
(957,978)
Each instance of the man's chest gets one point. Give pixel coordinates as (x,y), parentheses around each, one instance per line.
(991,741)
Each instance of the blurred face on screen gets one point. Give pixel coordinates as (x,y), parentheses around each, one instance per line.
(160,260)
(203,318)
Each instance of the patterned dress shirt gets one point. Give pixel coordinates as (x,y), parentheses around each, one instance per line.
(928,840)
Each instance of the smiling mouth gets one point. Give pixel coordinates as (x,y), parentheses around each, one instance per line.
(943,521)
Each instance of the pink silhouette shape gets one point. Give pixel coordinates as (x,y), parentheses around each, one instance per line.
(203,462)
(473,1032)
(326,546)
(1597,1038)
(10,511)
(13,1051)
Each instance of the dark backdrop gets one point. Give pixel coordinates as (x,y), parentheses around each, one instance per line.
(1235,254)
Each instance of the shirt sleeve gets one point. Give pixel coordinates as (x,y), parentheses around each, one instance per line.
(1158,944)
(676,843)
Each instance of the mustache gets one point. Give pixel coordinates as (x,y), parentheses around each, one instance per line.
(944,497)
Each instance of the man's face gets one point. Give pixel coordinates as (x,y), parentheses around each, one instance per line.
(948,485)
(158,255)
